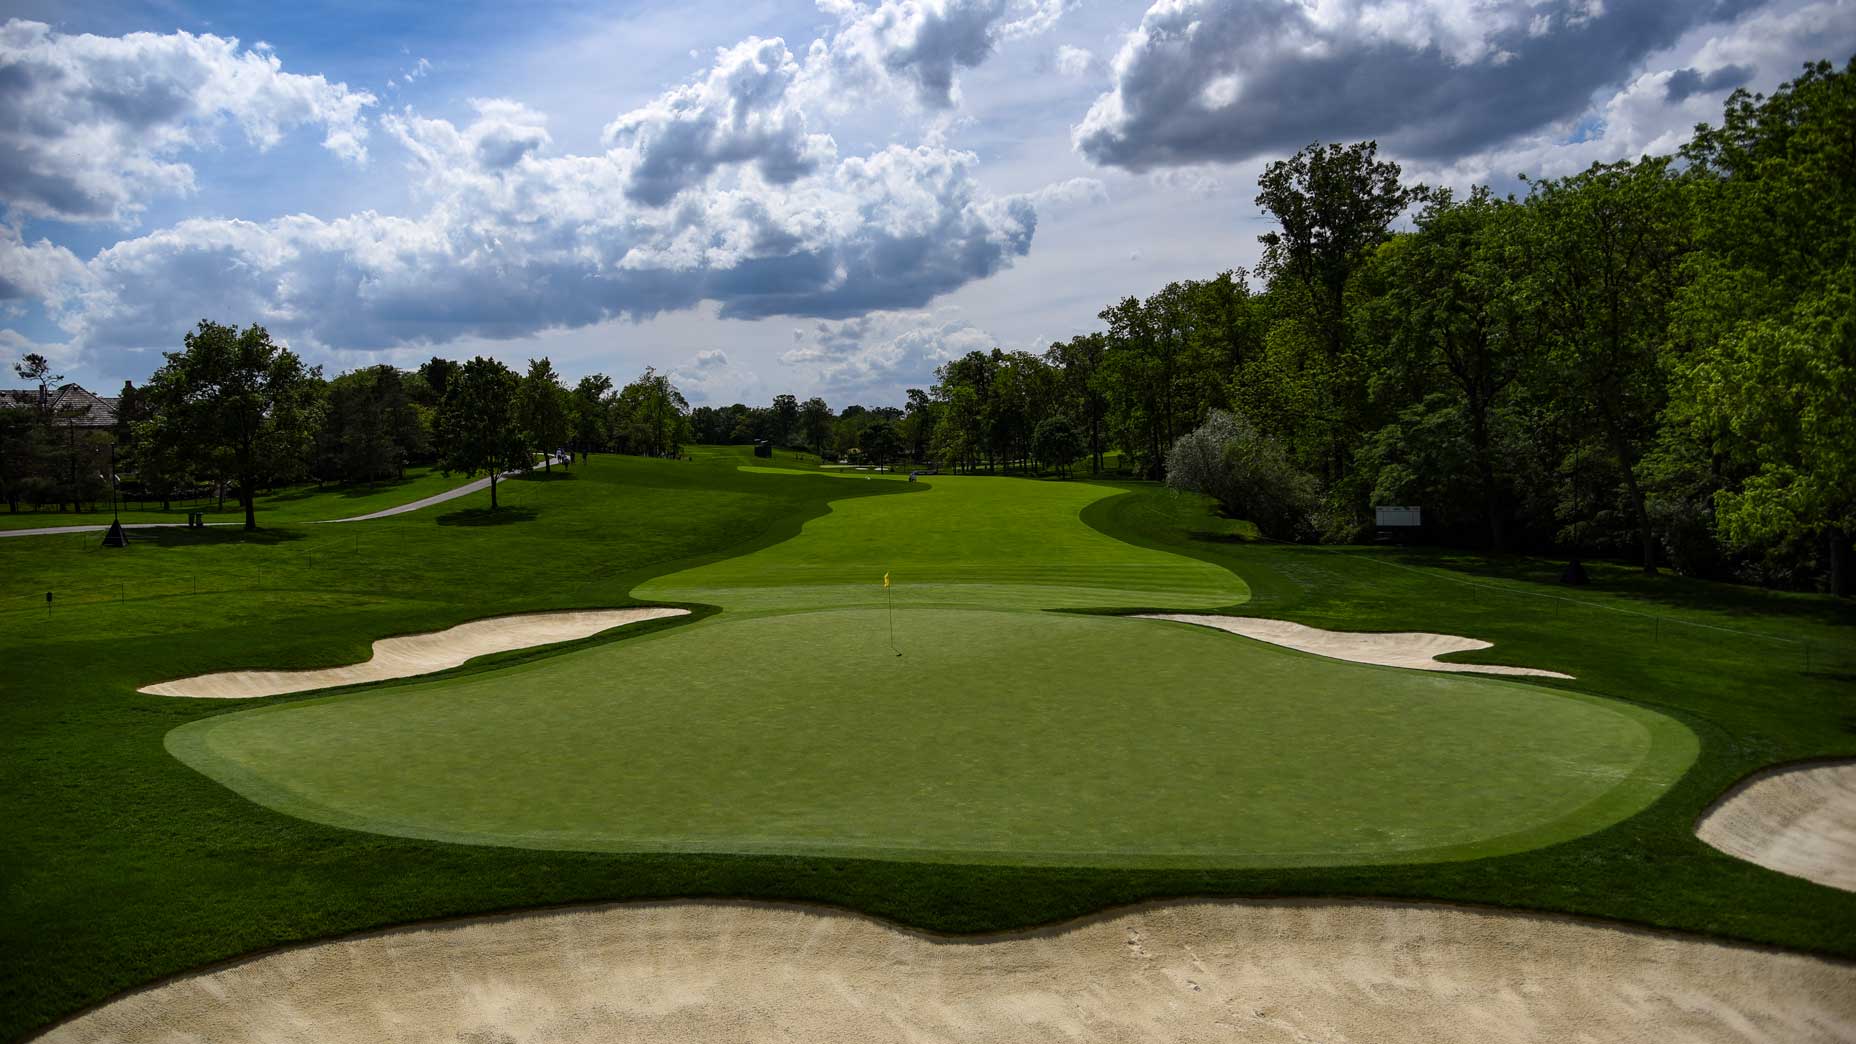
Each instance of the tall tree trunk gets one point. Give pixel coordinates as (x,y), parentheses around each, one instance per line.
(1645,539)
(492,488)
(1842,575)
(1626,461)
(250,501)
(1485,469)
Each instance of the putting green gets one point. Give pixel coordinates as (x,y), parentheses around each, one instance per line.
(1004,734)
(959,541)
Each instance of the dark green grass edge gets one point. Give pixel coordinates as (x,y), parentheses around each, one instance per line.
(1647,870)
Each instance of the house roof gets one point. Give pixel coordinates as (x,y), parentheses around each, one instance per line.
(71,403)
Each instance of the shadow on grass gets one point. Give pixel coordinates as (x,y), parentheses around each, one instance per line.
(182,536)
(362,489)
(502,516)
(1666,588)
(1207,536)
(557,475)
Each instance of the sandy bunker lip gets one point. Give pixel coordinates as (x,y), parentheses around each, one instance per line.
(1286,970)
(414,654)
(1796,819)
(1417,650)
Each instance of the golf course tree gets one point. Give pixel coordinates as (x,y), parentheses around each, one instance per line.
(880,443)
(919,419)
(436,374)
(371,427)
(151,469)
(954,445)
(815,419)
(586,413)
(541,411)
(1769,308)
(1333,204)
(478,431)
(783,420)
(1450,295)
(650,416)
(1080,361)
(238,405)
(1602,250)
(1055,444)
(27,444)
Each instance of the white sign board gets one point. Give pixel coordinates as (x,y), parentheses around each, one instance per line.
(1392,517)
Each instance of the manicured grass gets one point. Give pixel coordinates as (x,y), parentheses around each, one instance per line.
(120,864)
(997,737)
(956,540)
(784,458)
(303,503)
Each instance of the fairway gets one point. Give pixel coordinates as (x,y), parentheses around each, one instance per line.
(1004,733)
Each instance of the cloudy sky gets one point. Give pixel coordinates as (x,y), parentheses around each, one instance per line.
(760,196)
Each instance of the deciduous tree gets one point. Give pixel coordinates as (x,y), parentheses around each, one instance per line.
(478,432)
(236,397)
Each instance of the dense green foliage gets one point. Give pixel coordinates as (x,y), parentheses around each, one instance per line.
(235,402)
(1248,473)
(371,428)
(124,865)
(1649,358)
(479,430)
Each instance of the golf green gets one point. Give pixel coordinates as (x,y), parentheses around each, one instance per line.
(1002,733)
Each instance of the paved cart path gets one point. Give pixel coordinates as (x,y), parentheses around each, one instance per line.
(451,494)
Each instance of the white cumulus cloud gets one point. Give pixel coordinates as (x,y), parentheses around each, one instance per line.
(921,44)
(92,127)
(882,353)
(1206,81)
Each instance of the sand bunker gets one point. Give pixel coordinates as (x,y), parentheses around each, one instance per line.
(1798,820)
(1187,971)
(415,654)
(1414,649)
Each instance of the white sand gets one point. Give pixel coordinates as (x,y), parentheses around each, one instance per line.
(1413,649)
(1799,820)
(1302,971)
(414,654)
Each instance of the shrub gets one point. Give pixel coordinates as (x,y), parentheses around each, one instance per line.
(1248,473)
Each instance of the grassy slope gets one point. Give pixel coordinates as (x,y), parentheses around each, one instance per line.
(121,865)
(303,503)
(1005,735)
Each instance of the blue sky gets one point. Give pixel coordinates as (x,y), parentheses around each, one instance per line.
(768,197)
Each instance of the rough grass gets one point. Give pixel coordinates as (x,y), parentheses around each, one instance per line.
(119,864)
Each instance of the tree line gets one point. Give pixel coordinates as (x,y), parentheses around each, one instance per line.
(235,414)
(1652,358)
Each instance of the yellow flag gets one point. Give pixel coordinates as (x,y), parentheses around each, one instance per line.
(886,581)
